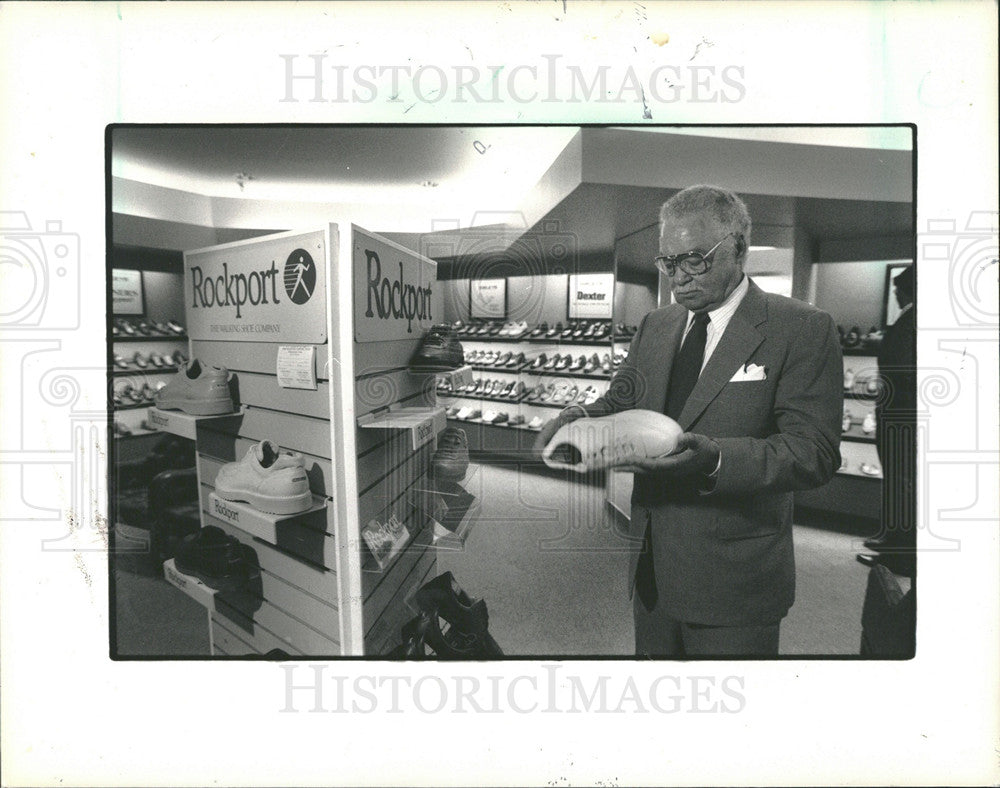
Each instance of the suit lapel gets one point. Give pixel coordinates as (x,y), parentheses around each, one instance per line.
(666,344)
(742,336)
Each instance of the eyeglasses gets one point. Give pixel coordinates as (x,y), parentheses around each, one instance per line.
(692,263)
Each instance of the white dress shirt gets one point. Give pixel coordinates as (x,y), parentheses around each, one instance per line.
(719,318)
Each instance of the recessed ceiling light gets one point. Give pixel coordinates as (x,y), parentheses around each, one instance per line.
(762,248)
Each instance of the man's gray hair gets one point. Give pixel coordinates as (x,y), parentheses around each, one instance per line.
(725,206)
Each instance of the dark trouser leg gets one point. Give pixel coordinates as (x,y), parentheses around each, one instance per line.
(656,633)
(751,641)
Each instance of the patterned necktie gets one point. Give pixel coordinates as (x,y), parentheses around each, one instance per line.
(687,366)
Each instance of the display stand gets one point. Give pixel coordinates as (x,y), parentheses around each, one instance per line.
(182,424)
(318,354)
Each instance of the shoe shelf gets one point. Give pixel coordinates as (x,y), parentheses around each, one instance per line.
(182,424)
(200,592)
(484,398)
(118,371)
(255,522)
(861,395)
(132,406)
(147,337)
(505,424)
(861,351)
(501,368)
(854,455)
(421,423)
(551,373)
(450,508)
(602,342)
(858,435)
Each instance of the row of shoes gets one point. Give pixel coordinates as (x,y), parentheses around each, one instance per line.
(495,358)
(868,424)
(152,361)
(580,366)
(512,329)
(493,417)
(484,387)
(127,394)
(867,384)
(589,330)
(854,338)
(562,394)
(124,327)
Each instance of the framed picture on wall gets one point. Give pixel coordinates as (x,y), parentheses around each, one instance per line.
(890,307)
(126,292)
(488,298)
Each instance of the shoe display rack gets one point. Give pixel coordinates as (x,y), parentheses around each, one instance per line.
(522,374)
(323,373)
(144,355)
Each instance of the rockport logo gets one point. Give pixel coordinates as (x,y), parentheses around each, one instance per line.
(582,296)
(156,418)
(300,276)
(395,299)
(235,289)
(224,511)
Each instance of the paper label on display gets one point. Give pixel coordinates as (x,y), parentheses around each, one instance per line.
(591,295)
(297,367)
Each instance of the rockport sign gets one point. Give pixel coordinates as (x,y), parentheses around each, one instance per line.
(395,290)
(271,289)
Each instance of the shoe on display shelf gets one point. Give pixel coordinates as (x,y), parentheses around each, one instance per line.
(871,385)
(122,429)
(535,393)
(593,443)
(505,392)
(157,360)
(140,360)
(871,469)
(175,327)
(126,327)
(580,330)
(593,365)
(517,392)
(452,412)
(540,330)
(475,414)
(179,358)
(439,351)
(502,360)
(198,390)
(501,417)
(551,363)
(144,328)
(488,416)
(548,393)
(563,363)
(555,331)
(590,396)
(568,331)
(214,557)
(451,458)
(848,379)
(516,421)
(535,423)
(519,330)
(868,425)
(269,478)
(495,329)
(571,396)
(516,361)
(848,419)
(463,413)
(538,362)
(602,331)
(606,364)
(119,361)
(579,364)
(853,337)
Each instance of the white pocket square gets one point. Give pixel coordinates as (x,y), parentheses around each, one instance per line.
(749,372)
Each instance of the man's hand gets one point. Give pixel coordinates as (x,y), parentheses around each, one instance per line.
(551,427)
(695,454)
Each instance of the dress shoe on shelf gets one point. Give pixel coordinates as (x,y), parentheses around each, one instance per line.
(539,330)
(516,420)
(846,422)
(126,327)
(555,331)
(578,365)
(871,469)
(439,351)
(534,394)
(853,337)
(570,397)
(848,379)
(606,364)
(198,390)
(268,478)
(568,331)
(593,364)
(551,363)
(451,458)
(563,363)
(502,360)
(144,328)
(516,362)
(602,331)
(592,443)
(495,329)
(178,358)
(501,418)
(175,327)
(119,361)
(140,360)
(214,557)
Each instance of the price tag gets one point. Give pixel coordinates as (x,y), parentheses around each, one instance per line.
(297,366)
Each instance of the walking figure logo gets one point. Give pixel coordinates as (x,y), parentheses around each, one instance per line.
(300,276)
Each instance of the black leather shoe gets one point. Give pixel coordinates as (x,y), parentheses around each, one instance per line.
(443,596)
(213,557)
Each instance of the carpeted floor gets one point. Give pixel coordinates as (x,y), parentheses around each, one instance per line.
(551,567)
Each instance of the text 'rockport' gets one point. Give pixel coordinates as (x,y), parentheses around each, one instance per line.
(233,289)
(395,299)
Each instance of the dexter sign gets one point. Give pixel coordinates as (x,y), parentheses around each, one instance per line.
(271,289)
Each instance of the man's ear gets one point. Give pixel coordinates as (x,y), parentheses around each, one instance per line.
(741,247)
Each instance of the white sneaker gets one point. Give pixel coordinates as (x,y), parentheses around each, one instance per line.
(868,425)
(535,423)
(588,444)
(848,380)
(845,425)
(267,478)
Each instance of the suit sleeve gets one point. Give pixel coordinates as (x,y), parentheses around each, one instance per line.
(804,452)
(626,386)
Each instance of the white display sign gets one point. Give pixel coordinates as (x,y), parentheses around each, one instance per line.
(591,295)
(395,290)
(269,289)
(488,298)
(297,367)
(126,292)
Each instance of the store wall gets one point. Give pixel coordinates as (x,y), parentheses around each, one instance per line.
(632,301)
(164,294)
(534,299)
(851,292)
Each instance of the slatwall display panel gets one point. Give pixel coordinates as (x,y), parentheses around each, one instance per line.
(384,633)
(263,391)
(251,356)
(230,640)
(290,430)
(380,390)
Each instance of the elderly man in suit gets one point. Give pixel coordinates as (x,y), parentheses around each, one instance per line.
(754,380)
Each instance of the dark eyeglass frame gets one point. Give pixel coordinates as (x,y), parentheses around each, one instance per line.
(693,263)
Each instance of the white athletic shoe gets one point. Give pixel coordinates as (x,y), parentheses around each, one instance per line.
(268,478)
(588,444)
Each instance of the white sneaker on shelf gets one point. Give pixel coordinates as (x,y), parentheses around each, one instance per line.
(845,425)
(868,425)
(268,478)
(848,379)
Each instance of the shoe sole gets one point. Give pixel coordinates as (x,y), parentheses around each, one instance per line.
(208,407)
(269,504)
